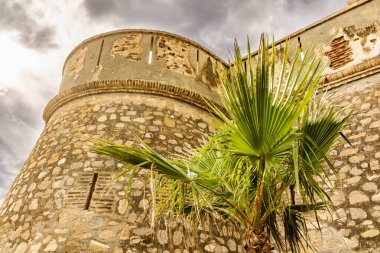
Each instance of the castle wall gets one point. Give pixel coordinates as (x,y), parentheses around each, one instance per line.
(44,210)
(355,226)
(113,90)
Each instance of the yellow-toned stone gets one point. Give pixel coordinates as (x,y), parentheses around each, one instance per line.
(98,246)
(125,233)
(169,122)
(370,233)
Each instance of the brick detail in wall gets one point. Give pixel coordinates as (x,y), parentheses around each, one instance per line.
(340,53)
(102,200)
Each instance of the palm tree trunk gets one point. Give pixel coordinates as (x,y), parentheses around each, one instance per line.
(257,241)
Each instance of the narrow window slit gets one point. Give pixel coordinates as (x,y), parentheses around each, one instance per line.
(197,61)
(300,47)
(151,50)
(100,53)
(91,192)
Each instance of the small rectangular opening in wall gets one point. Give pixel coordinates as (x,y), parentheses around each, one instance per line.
(100,53)
(91,192)
(151,50)
(302,55)
(197,61)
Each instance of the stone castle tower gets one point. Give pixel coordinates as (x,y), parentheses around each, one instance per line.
(152,84)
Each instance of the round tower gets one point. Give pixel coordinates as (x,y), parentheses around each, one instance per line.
(115,86)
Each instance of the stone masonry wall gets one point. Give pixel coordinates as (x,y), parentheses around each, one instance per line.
(44,209)
(355,226)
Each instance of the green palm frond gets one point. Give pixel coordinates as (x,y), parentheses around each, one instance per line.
(262,111)
(186,186)
(294,227)
(143,157)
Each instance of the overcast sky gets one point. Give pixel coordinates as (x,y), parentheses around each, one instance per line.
(36,36)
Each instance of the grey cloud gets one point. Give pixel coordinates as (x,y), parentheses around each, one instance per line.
(25,105)
(100,7)
(20,126)
(15,107)
(187,18)
(292,5)
(10,163)
(21,123)
(215,23)
(15,16)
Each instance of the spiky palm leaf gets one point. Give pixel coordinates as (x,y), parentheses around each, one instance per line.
(270,145)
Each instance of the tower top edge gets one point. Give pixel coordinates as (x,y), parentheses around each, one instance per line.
(142,31)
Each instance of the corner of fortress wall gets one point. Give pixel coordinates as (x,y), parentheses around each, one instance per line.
(113,89)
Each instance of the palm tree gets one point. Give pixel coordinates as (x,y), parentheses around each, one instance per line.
(261,169)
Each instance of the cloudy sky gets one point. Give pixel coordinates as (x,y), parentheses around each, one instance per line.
(36,36)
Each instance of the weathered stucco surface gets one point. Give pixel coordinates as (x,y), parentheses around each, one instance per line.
(175,53)
(76,61)
(128,47)
(353,44)
(211,73)
(174,60)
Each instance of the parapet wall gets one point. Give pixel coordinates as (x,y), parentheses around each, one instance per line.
(125,54)
(175,62)
(348,41)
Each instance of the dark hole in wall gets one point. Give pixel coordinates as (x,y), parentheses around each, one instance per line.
(91,192)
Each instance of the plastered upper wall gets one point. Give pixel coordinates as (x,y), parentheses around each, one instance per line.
(124,55)
(348,40)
